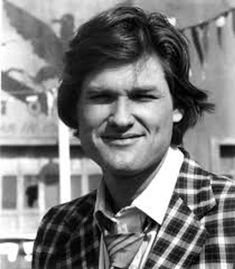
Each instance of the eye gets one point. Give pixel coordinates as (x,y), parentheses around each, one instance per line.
(100,98)
(143,97)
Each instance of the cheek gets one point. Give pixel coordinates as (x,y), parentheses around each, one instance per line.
(91,119)
(166,122)
(87,116)
(158,118)
(86,132)
(84,121)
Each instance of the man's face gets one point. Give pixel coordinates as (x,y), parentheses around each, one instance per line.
(126,117)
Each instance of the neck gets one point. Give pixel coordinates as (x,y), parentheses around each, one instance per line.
(124,189)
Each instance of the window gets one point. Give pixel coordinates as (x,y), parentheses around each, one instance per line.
(9,192)
(30,191)
(227,160)
(223,156)
(51,190)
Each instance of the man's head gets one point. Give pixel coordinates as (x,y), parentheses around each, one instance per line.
(121,36)
(126,116)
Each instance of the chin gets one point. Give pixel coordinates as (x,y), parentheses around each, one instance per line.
(123,172)
(122,169)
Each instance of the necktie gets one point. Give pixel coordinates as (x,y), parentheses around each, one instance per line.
(122,248)
(124,237)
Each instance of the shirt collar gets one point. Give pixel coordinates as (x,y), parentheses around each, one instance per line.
(101,201)
(154,200)
(128,220)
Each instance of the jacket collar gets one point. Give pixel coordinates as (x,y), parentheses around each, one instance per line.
(182,235)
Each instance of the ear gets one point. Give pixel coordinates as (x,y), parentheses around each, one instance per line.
(177,115)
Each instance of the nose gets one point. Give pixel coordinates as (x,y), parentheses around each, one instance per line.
(121,115)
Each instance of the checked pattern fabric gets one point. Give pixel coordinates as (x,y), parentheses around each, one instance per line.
(198,231)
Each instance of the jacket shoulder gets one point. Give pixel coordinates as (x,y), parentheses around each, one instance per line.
(73,211)
(223,187)
(203,190)
(57,227)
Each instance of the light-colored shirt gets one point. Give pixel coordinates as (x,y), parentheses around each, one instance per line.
(153,202)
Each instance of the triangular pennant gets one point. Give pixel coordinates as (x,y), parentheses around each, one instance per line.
(220,22)
(197,44)
(233,20)
(205,37)
(219,35)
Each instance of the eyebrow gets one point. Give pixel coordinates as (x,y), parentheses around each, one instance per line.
(144,89)
(97,90)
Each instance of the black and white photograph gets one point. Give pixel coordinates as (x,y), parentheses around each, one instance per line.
(117,134)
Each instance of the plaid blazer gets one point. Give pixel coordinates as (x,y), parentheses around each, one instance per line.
(198,230)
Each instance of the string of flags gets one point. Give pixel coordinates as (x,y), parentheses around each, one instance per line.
(200,32)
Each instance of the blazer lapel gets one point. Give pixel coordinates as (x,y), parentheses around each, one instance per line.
(182,234)
(180,238)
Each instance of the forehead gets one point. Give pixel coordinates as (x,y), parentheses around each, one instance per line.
(147,71)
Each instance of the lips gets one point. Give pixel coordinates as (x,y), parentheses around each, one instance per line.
(121,139)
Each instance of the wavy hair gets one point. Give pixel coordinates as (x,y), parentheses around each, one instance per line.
(123,35)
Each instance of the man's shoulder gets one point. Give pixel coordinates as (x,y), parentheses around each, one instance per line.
(222,186)
(200,185)
(72,212)
(61,226)
(224,191)
(192,169)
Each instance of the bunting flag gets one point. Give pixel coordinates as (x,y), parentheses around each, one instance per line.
(200,32)
(220,23)
(233,20)
(205,37)
(197,44)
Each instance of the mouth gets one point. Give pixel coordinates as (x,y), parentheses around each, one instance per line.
(121,139)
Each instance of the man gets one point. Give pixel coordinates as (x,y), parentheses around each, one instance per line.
(126,90)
